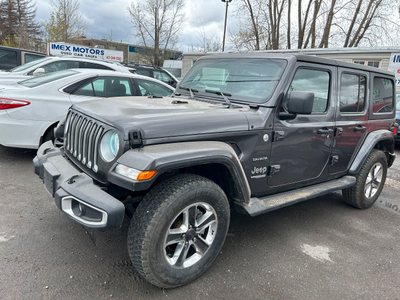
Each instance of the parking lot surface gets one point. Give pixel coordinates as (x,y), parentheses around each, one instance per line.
(319,249)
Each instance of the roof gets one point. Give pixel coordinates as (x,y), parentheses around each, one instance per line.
(25,50)
(299,57)
(314,51)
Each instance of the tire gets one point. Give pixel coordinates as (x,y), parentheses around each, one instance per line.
(178,230)
(369,182)
(49,134)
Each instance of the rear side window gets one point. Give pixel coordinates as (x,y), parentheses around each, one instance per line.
(352,93)
(382,97)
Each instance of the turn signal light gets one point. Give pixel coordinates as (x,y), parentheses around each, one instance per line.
(146,175)
(10,103)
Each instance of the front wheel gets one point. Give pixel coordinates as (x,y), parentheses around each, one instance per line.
(370,181)
(178,230)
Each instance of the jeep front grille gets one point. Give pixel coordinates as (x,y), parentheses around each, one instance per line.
(82,139)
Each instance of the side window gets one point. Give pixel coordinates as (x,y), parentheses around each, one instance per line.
(31,57)
(150,88)
(143,72)
(352,93)
(117,87)
(382,95)
(315,81)
(58,66)
(8,59)
(106,87)
(161,76)
(88,65)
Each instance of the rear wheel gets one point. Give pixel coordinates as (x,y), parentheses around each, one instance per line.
(178,230)
(370,181)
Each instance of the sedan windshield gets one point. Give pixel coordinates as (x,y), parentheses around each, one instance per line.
(36,81)
(248,80)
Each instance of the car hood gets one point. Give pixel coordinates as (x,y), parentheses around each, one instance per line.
(165,117)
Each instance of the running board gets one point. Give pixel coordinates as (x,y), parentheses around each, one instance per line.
(258,206)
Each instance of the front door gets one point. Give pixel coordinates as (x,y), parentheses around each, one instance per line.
(301,146)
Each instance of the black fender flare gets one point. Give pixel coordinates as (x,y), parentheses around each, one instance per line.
(168,157)
(368,145)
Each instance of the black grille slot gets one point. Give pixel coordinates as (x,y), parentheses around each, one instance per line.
(83,138)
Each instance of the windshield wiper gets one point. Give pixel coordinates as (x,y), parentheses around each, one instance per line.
(223,96)
(192,91)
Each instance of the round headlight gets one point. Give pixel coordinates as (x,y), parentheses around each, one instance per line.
(109,146)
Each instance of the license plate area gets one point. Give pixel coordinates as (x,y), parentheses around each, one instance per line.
(50,176)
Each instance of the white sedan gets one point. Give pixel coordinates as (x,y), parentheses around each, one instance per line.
(31,109)
(54,64)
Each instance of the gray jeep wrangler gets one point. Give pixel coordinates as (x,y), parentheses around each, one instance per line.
(254,132)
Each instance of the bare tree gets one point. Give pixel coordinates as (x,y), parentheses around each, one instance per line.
(361,22)
(275,11)
(318,23)
(66,22)
(157,23)
(207,43)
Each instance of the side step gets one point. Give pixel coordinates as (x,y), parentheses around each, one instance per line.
(258,206)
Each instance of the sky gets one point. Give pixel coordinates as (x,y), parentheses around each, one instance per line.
(109,19)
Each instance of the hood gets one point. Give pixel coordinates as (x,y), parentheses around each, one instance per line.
(165,117)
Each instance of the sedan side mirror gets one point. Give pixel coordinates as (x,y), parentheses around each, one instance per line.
(301,103)
(39,72)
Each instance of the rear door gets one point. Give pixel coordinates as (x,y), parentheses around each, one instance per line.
(352,117)
(301,147)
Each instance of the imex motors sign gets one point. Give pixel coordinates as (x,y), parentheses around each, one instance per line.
(65,49)
(394,66)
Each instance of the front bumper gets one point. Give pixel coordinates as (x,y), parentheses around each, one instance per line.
(75,192)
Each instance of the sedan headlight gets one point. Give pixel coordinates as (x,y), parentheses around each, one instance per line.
(109,146)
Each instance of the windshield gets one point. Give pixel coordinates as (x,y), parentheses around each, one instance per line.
(249,80)
(36,81)
(398,101)
(29,64)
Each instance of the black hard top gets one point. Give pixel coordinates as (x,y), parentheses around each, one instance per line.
(298,57)
(20,49)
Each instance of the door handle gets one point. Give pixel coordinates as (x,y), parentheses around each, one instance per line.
(325,131)
(359,128)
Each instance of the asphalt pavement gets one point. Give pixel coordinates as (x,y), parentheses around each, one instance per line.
(319,249)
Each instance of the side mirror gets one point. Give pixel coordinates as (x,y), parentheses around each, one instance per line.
(39,72)
(300,103)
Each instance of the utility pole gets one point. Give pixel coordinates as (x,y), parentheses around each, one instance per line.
(226,16)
